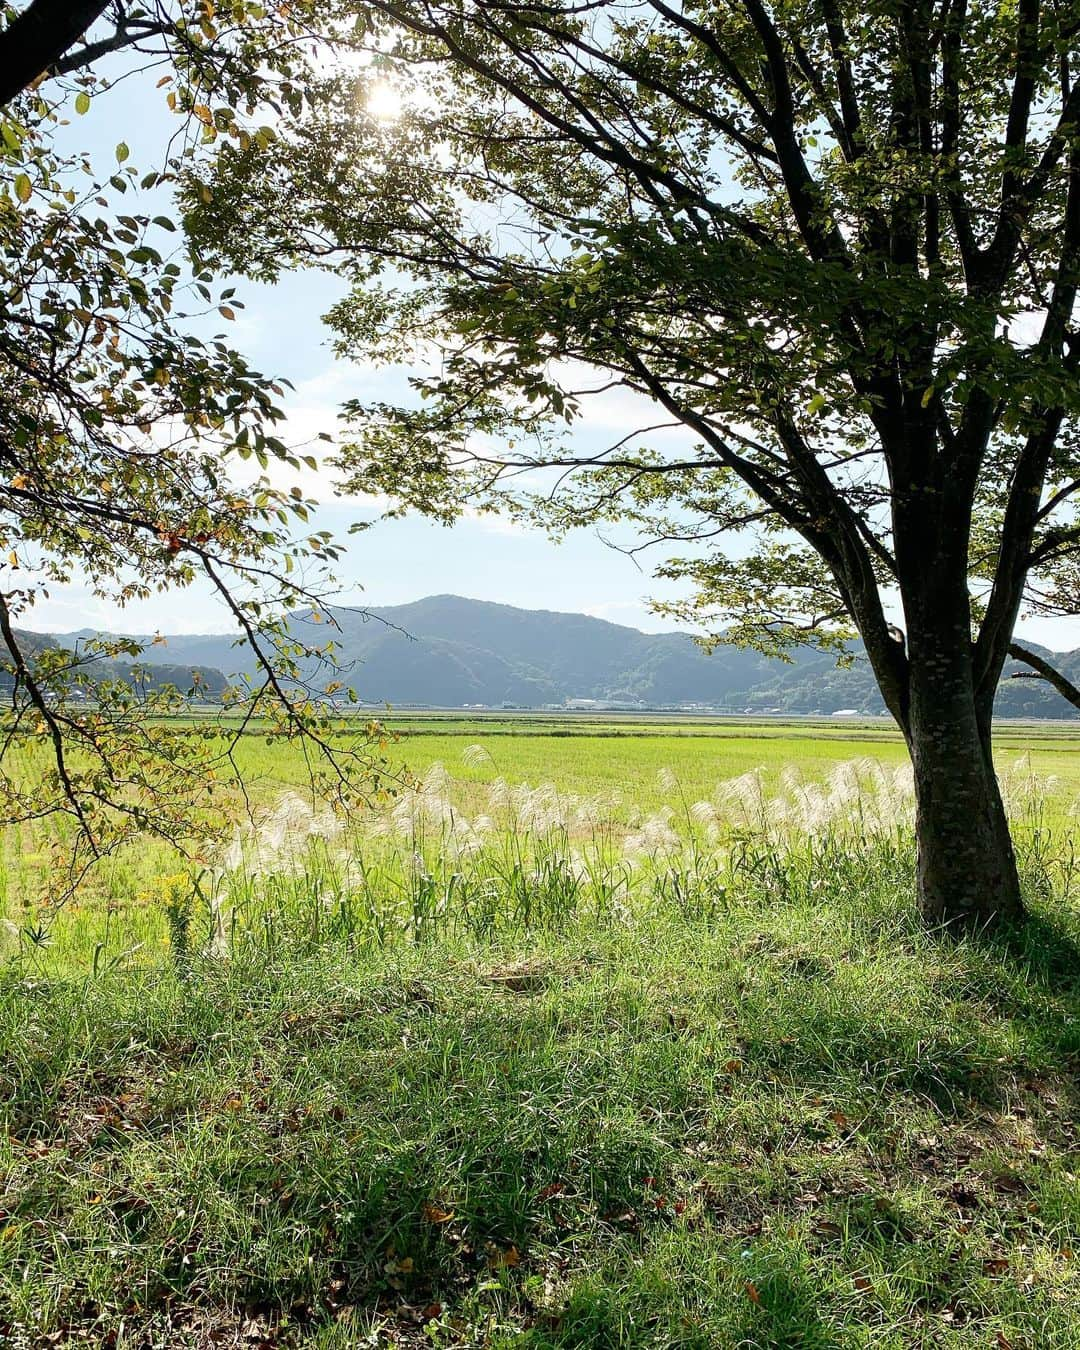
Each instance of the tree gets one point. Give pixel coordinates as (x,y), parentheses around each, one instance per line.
(122,429)
(837,243)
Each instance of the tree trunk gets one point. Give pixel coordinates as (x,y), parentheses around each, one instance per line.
(967,877)
(38,36)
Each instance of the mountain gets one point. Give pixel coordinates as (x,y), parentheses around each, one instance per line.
(150,674)
(447,651)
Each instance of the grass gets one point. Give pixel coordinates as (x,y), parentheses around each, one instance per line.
(547,1090)
(591,755)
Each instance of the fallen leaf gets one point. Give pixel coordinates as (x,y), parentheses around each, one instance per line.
(509,1258)
(435,1214)
(752,1291)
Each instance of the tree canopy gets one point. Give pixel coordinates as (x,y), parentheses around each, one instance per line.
(837,243)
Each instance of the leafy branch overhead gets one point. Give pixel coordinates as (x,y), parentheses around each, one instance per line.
(836,245)
(139,452)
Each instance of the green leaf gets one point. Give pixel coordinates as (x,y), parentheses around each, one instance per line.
(816,404)
(122,152)
(23,187)
(82,102)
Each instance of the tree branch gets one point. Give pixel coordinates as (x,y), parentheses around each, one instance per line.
(126,34)
(1046,671)
(36,39)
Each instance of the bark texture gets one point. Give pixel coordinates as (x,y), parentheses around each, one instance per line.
(967,874)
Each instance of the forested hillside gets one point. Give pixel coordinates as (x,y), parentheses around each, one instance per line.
(448,651)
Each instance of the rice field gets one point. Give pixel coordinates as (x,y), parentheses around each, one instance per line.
(633,792)
(593,1034)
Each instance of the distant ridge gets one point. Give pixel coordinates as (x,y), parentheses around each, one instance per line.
(448,651)
(155,672)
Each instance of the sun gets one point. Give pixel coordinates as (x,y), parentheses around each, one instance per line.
(384,101)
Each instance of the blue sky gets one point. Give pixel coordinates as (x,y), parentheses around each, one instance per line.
(280,331)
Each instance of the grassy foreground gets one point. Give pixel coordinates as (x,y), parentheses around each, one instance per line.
(778,1115)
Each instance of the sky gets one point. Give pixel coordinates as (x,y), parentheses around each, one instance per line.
(280,331)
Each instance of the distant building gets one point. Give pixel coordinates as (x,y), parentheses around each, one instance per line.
(603,705)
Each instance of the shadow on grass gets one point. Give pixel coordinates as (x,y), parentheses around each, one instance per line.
(1041,952)
(989,1013)
(398,1154)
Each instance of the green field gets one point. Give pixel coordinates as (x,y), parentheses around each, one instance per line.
(602,1034)
(586,755)
(596,752)
(630,767)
